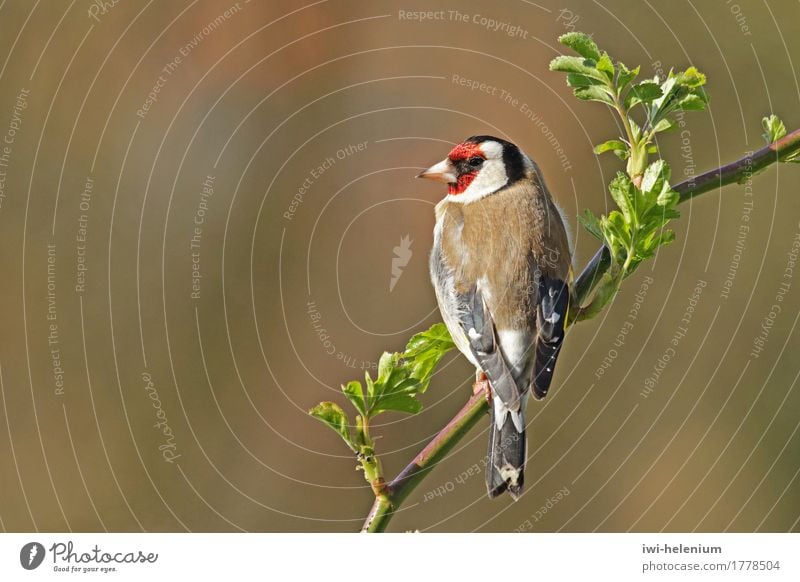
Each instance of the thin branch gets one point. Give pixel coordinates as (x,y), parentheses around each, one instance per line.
(395,493)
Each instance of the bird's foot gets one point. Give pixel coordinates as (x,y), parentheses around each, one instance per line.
(482,385)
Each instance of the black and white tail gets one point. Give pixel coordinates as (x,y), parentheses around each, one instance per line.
(505,467)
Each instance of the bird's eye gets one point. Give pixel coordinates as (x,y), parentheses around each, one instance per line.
(475,161)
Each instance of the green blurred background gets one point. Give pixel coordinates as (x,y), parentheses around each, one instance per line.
(184,408)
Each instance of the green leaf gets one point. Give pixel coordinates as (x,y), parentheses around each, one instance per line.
(664,238)
(581,43)
(643,92)
(576,80)
(693,102)
(398,403)
(625,76)
(612,145)
(655,176)
(680,91)
(333,416)
(622,155)
(594,93)
(435,340)
(668,198)
(577,65)
(615,227)
(386,366)
(402,376)
(423,352)
(605,65)
(774,129)
(635,130)
(692,78)
(355,394)
(371,393)
(621,189)
(664,125)
(592,224)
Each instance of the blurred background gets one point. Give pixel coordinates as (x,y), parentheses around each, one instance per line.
(200,205)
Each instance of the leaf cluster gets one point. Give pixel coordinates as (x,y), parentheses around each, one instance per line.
(634,232)
(644,199)
(594,76)
(401,378)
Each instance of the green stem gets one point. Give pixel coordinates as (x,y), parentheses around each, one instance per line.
(370,463)
(379,515)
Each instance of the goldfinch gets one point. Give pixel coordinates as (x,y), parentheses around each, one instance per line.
(500,266)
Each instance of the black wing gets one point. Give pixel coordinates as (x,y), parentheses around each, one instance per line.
(551,314)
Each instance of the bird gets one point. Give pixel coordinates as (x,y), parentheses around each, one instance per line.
(501,269)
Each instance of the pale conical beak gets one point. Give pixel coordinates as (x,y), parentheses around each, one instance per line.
(441,172)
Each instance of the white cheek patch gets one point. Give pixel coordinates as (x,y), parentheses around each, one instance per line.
(491,177)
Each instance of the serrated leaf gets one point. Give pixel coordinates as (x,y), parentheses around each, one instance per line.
(668,198)
(578,65)
(611,145)
(774,129)
(605,65)
(398,403)
(581,43)
(643,92)
(355,394)
(665,238)
(577,80)
(692,78)
(435,340)
(594,93)
(693,102)
(621,189)
(332,415)
(424,351)
(625,76)
(616,230)
(664,125)
(636,131)
(386,365)
(622,155)
(592,224)
(655,176)
(370,390)
(679,91)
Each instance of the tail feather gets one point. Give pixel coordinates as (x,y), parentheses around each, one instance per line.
(505,469)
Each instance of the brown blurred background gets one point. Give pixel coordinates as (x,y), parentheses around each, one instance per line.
(172,304)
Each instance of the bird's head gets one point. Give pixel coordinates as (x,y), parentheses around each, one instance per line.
(479,166)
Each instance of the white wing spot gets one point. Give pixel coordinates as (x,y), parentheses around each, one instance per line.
(473,334)
(553,318)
